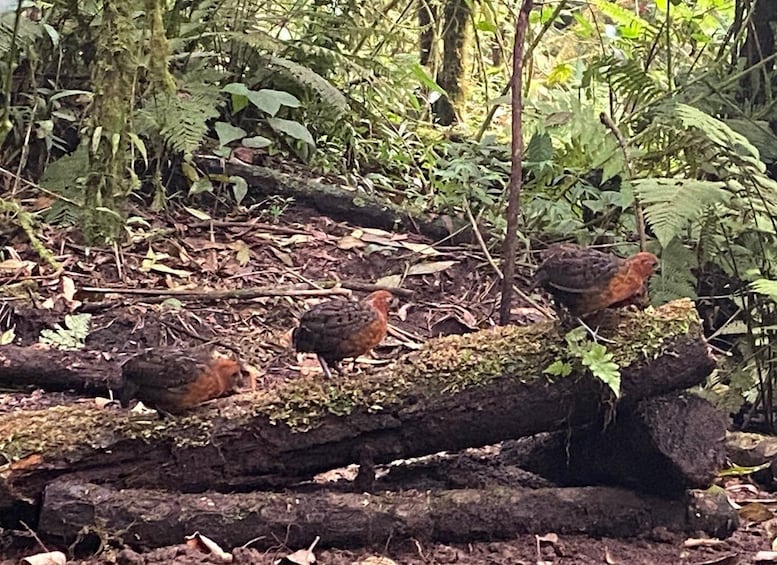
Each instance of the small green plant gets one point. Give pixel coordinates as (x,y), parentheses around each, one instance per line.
(593,356)
(72,336)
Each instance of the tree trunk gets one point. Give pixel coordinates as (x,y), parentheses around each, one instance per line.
(458,15)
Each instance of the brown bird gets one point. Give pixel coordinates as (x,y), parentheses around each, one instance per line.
(337,329)
(173,381)
(586,280)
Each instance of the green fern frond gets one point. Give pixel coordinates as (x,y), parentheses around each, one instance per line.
(315,81)
(181,121)
(713,129)
(625,17)
(629,79)
(670,203)
(263,44)
(676,278)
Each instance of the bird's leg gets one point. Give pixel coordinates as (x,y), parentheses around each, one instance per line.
(324,366)
(594,333)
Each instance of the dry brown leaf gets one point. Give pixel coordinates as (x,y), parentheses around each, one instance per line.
(550,538)
(430,268)
(17,265)
(422,248)
(206,545)
(349,242)
(391,281)
(295,239)
(402,312)
(102,402)
(284,258)
(302,556)
(608,558)
(243,252)
(199,214)
(765,557)
(755,512)
(377,232)
(703,542)
(377,560)
(49,558)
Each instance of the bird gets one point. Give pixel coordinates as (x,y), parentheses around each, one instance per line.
(173,381)
(586,280)
(337,329)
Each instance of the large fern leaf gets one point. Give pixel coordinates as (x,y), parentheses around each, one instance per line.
(181,121)
(670,203)
(304,76)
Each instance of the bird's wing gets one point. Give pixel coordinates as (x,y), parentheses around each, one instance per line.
(578,270)
(164,369)
(324,326)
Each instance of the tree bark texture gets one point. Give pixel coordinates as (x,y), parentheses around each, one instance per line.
(663,445)
(457,392)
(146,519)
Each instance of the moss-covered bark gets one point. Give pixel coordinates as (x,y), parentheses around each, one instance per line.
(457,392)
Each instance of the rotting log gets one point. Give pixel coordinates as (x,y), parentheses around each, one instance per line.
(57,370)
(145,519)
(457,392)
(357,207)
(662,445)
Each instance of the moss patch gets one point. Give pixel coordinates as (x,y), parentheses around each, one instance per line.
(443,366)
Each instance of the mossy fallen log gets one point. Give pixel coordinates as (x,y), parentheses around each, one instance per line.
(457,392)
(342,203)
(144,519)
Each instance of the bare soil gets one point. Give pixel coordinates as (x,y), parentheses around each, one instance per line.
(454,290)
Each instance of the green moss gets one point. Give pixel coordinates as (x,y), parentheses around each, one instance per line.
(443,366)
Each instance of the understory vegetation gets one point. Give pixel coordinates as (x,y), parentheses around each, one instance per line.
(107,104)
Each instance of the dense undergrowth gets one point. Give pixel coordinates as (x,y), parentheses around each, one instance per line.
(95,121)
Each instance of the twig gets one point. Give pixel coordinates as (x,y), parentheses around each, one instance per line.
(34,535)
(481,241)
(609,124)
(242,293)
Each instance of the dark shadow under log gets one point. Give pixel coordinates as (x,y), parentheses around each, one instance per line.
(148,519)
(662,445)
(458,392)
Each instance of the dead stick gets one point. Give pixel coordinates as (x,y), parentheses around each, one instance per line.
(609,124)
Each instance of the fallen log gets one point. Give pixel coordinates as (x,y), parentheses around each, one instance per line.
(457,392)
(145,519)
(662,445)
(57,370)
(342,203)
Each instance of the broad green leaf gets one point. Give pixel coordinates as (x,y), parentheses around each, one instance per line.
(292,129)
(228,133)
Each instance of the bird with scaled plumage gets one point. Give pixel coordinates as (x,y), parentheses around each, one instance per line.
(586,280)
(174,381)
(338,329)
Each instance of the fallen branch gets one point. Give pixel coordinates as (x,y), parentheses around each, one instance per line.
(457,392)
(341,203)
(151,518)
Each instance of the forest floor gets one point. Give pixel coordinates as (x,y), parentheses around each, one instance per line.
(452,289)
